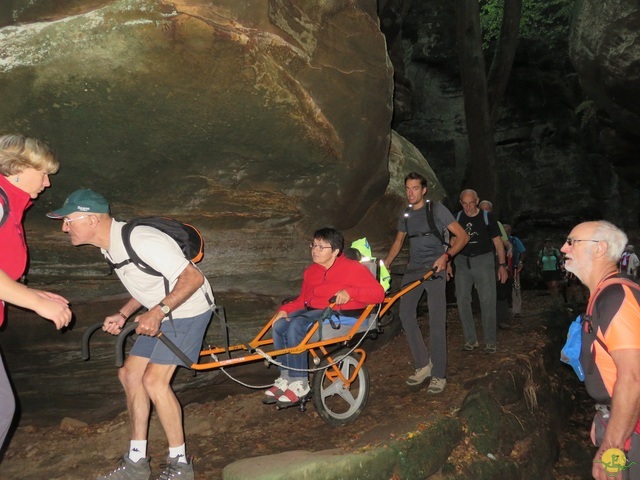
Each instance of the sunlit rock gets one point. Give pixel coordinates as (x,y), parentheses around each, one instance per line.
(258,121)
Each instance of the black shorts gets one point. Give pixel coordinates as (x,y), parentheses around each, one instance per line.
(551,275)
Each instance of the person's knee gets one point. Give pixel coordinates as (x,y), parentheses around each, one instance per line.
(153,383)
(129,377)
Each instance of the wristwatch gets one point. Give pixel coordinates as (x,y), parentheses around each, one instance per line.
(166,309)
(503,265)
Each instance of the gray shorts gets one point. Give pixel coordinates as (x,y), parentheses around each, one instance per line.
(186,333)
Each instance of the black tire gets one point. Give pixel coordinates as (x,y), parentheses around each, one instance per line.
(334,403)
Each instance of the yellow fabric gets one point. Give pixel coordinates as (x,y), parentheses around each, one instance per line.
(362,245)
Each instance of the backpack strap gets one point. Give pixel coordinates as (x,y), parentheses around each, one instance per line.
(486,217)
(431,223)
(599,289)
(604,284)
(4,203)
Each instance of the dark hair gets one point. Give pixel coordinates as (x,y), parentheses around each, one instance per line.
(416,176)
(331,235)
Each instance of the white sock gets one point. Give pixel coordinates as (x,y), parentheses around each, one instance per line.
(137,450)
(179,452)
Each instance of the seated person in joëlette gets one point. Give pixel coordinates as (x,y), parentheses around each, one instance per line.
(330,275)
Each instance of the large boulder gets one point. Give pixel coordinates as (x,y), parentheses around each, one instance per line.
(259,121)
(605,51)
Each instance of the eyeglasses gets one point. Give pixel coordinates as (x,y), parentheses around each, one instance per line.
(68,220)
(570,241)
(314,246)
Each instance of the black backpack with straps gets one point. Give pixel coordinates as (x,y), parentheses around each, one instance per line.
(431,222)
(188,238)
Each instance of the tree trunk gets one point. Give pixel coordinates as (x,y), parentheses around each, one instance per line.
(503,57)
(482,167)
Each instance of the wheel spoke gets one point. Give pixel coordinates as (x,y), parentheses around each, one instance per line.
(337,387)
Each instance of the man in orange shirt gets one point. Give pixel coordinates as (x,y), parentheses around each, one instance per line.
(610,347)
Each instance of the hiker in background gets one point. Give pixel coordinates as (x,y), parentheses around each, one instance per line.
(425,223)
(150,366)
(629,262)
(476,266)
(610,345)
(25,166)
(516,263)
(331,274)
(549,263)
(503,290)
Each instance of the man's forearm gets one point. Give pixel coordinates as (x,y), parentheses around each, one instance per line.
(189,281)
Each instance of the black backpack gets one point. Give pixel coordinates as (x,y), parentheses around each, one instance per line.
(430,222)
(4,203)
(188,238)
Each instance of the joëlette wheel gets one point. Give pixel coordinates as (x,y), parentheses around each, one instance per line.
(336,402)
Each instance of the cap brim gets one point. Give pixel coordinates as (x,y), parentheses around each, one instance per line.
(58,214)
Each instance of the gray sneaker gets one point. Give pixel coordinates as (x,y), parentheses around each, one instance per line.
(420,375)
(176,470)
(490,348)
(437,385)
(470,346)
(128,470)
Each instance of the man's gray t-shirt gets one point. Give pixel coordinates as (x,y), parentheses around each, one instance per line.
(424,249)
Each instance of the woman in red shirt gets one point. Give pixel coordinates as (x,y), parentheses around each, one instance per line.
(25,166)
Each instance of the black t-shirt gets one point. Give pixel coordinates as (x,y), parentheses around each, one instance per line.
(480,233)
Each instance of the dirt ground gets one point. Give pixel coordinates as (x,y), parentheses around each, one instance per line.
(232,423)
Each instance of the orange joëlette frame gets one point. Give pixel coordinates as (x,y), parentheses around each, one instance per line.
(305,345)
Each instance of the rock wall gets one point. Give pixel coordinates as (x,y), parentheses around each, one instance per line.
(561,158)
(257,121)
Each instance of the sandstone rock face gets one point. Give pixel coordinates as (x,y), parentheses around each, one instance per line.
(259,121)
(559,163)
(605,50)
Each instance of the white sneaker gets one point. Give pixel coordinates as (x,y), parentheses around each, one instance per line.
(420,375)
(295,392)
(437,385)
(279,386)
(272,394)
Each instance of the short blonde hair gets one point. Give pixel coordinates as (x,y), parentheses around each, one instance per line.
(17,153)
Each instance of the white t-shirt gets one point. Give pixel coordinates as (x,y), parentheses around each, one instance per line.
(164,255)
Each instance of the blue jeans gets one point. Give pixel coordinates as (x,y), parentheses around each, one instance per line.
(288,332)
(481,272)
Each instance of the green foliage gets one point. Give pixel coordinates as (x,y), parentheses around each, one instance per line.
(543,21)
